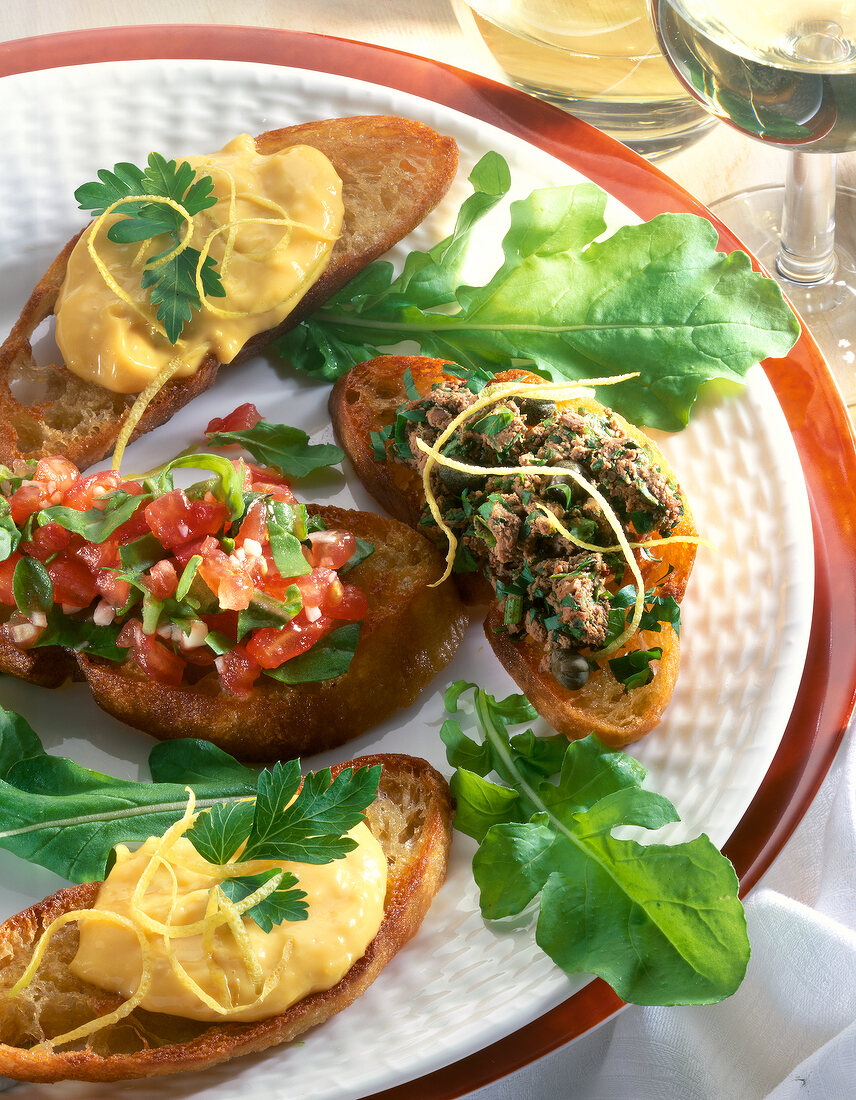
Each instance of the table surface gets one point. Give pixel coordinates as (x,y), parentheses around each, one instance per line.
(720,163)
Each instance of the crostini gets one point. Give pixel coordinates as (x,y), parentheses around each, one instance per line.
(225,611)
(393,172)
(586,564)
(411,818)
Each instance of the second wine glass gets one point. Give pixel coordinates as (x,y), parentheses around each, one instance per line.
(784,74)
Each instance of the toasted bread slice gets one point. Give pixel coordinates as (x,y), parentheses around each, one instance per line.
(412,819)
(393,171)
(409,633)
(364,401)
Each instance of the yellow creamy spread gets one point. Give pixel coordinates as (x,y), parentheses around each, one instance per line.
(266,268)
(345,901)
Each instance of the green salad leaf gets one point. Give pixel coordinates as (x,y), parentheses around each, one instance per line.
(327,659)
(662,924)
(281,447)
(654,298)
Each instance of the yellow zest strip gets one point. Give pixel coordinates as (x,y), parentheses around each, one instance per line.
(694,539)
(290,224)
(102,267)
(230,242)
(216,974)
(242,941)
(141,403)
(99,1022)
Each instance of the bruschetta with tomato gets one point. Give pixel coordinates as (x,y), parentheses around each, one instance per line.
(226,610)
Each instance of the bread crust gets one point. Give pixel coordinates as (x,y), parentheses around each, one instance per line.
(364,401)
(417,869)
(394,172)
(410,632)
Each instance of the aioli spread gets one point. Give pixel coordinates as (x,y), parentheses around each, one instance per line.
(345,901)
(106,340)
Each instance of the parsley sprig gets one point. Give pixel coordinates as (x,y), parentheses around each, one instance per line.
(283,824)
(169,275)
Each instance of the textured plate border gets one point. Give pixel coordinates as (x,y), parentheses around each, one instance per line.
(815,413)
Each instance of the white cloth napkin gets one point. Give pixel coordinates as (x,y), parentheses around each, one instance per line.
(789,1033)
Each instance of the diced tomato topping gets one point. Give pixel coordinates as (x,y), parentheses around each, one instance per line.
(132,528)
(271,646)
(94,555)
(229,579)
(332,548)
(28,499)
(239,420)
(112,588)
(46,542)
(254,525)
(270,483)
(162,579)
(238,671)
(73,583)
(7,571)
(350,605)
(157,661)
(88,492)
(175,520)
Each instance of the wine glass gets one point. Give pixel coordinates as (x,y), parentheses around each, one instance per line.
(785,74)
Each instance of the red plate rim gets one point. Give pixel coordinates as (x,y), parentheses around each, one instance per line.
(816,415)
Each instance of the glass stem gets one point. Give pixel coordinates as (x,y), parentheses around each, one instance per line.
(807,246)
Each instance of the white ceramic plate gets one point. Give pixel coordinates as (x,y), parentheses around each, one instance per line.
(459,985)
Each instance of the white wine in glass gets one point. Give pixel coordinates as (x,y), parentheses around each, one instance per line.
(783,72)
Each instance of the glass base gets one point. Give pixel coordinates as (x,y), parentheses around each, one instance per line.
(828,308)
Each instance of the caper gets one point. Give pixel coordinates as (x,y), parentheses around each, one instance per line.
(536,409)
(458,480)
(555,487)
(570,669)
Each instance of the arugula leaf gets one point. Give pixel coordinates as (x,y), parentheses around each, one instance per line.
(286,526)
(265,611)
(227,484)
(68,818)
(661,923)
(656,298)
(171,279)
(32,586)
(98,523)
(327,659)
(282,448)
(82,635)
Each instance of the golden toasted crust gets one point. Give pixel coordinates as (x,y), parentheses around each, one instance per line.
(364,401)
(394,172)
(409,633)
(412,819)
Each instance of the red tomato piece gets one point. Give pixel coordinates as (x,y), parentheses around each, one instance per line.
(87,492)
(229,580)
(272,646)
(72,582)
(175,520)
(46,542)
(112,588)
(254,524)
(7,571)
(332,548)
(350,605)
(239,420)
(156,660)
(238,671)
(162,579)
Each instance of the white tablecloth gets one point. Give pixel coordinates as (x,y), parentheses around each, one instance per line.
(790,1031)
